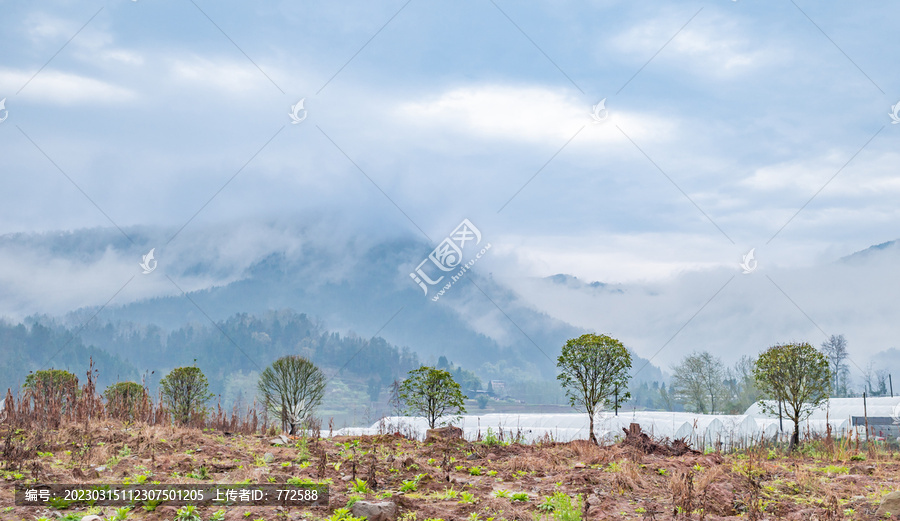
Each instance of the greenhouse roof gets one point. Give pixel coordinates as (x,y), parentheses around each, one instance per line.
(844,408)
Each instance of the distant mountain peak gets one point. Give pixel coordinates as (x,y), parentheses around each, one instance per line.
(870,251)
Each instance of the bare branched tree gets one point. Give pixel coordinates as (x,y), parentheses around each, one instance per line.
(699,383)
(835,350)
(292,387)
(741,385)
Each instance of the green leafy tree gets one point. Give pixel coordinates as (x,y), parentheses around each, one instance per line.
(185,392)
(292,387)
(53,386)
(433,394)
(593,368)
(123,399)
(797,377)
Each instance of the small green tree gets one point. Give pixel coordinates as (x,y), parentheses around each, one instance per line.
(593,368)
(185,392)
(292,387)
(53,386)
(123,399)
(797,377)
(432,393)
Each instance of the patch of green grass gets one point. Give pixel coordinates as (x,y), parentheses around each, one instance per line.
(449,493)
(151,504)
(491,439)
(360,486)
(59,503)
(561,507)
(411,485)
(201,473)
(342,514)
(466,498)
(614,466)
(301,481)
(475,471)
(521,496)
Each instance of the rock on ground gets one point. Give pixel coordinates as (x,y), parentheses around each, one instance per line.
(384,511)
(446,433)
(890,503)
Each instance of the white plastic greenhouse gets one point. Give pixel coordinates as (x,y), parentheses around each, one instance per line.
(699,430)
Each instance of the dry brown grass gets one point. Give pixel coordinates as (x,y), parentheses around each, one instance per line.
(47,408)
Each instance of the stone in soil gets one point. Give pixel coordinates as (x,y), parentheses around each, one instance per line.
(384,511)
(890,503)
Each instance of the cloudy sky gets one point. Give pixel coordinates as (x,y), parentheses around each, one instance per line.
(730,125)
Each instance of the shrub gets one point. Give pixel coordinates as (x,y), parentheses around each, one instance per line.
(123,400)
(185,391)
(53,387)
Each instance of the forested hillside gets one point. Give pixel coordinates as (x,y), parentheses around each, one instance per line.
(228,352)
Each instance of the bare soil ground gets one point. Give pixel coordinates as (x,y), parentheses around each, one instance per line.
(454,479)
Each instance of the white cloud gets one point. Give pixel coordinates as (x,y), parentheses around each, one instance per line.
(713,44)
(42,28)
(532,114)
(618,257)
(229,76)
(867,175)
(62,88)
(749,314)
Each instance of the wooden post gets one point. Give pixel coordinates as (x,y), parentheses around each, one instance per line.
(866,414)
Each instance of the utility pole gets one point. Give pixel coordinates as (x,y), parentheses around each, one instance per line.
(891,382)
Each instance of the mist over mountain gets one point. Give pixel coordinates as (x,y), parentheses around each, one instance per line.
(329,294)
(493,322)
